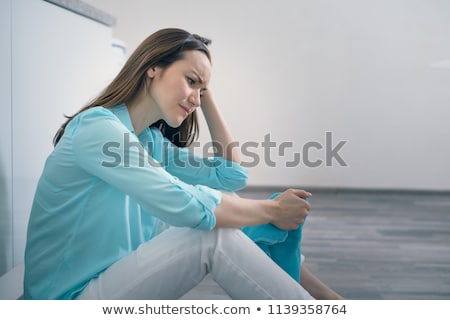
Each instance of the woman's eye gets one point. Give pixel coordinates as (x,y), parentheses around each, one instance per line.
(190,80)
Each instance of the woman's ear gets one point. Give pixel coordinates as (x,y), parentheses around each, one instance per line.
(151,72)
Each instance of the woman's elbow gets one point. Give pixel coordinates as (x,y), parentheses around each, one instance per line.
(235,184)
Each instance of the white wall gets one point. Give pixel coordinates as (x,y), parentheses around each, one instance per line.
(53,62)
(374,73)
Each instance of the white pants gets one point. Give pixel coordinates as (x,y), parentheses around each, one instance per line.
(178,259)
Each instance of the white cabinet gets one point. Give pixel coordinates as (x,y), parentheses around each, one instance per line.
(5,140)
(59,60)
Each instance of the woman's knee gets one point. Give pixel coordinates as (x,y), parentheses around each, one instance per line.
(232,236)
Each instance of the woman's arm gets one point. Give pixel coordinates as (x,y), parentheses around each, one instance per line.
(220,133)
(287,211)
(217,173)
(97,143)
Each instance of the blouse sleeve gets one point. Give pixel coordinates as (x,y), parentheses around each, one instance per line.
(105,148)
(215,172)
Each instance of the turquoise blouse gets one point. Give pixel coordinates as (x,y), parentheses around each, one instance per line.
(104,191)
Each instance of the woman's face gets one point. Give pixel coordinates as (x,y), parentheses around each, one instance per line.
(175,91)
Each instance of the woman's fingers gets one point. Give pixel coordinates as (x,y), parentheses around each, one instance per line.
(294,208)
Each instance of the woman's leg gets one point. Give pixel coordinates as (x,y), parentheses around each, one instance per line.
(177,260)
(244,271)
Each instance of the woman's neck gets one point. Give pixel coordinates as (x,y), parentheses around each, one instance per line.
(142,113)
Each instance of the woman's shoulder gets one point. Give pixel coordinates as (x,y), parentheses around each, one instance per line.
(96,112)
(92,116)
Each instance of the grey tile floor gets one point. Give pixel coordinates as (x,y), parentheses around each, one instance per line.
(371,245)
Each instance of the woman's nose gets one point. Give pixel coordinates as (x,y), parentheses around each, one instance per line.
(194,98)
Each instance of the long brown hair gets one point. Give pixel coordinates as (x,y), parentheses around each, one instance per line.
(160,49)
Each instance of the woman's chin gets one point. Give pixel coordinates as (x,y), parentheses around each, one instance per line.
(175,123)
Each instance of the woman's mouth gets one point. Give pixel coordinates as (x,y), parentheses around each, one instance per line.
(186,110)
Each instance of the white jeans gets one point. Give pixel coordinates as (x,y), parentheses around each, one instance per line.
(178,259)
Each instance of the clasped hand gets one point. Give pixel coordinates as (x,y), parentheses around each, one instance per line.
(293,209)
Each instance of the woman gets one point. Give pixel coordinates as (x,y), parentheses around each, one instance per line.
(123,211)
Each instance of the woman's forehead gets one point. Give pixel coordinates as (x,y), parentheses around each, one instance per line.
(198,62)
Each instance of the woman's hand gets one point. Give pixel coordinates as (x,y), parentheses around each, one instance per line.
(206,99)
(292,209)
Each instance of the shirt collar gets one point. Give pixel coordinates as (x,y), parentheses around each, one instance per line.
(121,112)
